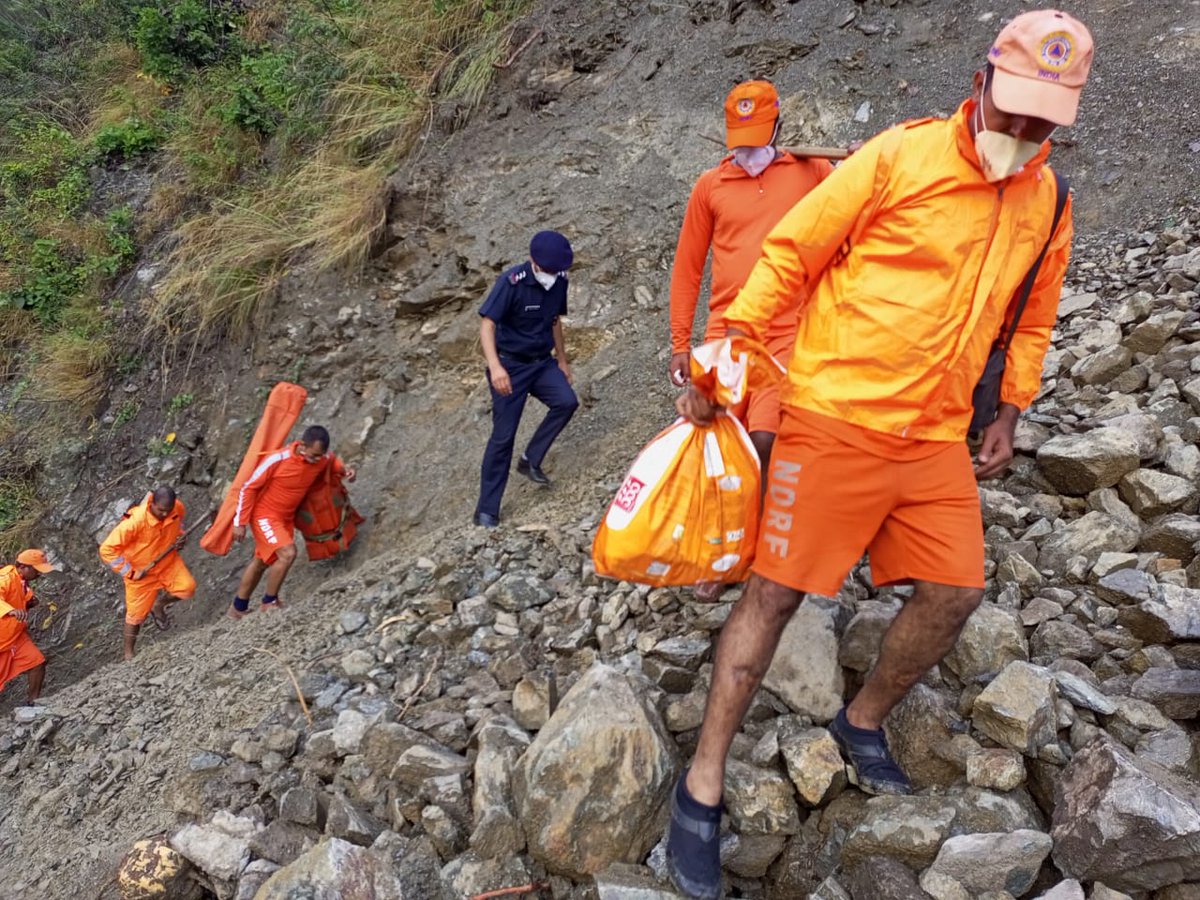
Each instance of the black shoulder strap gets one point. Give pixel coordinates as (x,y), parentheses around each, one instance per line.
(1062,188)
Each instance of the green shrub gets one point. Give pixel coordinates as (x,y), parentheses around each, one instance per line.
(173,35)
(127,139)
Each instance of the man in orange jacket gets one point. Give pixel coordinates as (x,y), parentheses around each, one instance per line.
(910,255)
(268,503)
(18,652)
(142,549)
(731,210)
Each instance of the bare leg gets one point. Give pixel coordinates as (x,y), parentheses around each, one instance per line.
(744,654)
(279,569)
(36,676)
(131,633)
(763,442)
(250,578)
(922,633)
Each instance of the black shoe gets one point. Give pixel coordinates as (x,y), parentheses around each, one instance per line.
(869,761)
(486,520)
(532,472)
(694,845)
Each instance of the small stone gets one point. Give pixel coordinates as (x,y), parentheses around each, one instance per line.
(909,829)
(989,862)
(1017,709)
(1174,691)
(990,640)
(358,663)
(335,868)
(1082,694)
(349,821)
(211,850)
(759,801)
(348,731)
(299,805)
(1087,537)
(352,620)
(621,881)
(1003,770)
(1151,493)
(1064,890)
(813,761)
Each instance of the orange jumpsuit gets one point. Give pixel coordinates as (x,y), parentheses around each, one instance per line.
(909,260)
(730,212)
(18,652)
(270,498)
(139,539)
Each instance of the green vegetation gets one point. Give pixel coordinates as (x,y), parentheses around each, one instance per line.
(269,130)
(179,403)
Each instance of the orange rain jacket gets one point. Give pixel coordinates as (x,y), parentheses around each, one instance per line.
(15,593)
(910,260)
(140,538)
(731,211)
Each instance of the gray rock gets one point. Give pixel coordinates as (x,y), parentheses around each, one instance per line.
(989,862)
(531,700)
(1064,890)
(1175,536)
(805,673)
(1102,366)
(1175,616)
(469,875)
(335,870)
(990,640)
(348,731)
(1015,569)
(921,730)
(497,831)
(282,842)
(859,646)
(1179,892)
(625,882)
(753,855)
(1081,463)
(422,761)
(909,829)
(829,889)
(1183,460)
(880,878)
(1002,770)
(352,620)
(1151,335)
(688,651)
(592,784)
(1087,537)
(1133,825)
(1151,493)
(1144,429)
(1017,710)
(1172,749)
(1083,695)
(212,851)
(1127,586)
(1101,891)
(1108,563)
(813,761)
(1062,640)
(759,801)
(1174,691)
(350,822)
(516,592)
(254,876)
(358,663)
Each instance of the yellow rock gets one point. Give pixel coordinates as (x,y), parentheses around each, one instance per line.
(152,870)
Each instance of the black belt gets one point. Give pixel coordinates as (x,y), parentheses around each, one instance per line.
(523,358)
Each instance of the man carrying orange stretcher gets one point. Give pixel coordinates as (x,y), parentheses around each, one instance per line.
(268,504)
(920,260)
(139,550)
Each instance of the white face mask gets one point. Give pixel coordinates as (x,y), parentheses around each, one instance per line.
(1001,155)
(754,159)
(545,279)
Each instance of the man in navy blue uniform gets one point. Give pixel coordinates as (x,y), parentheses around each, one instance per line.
(522,339)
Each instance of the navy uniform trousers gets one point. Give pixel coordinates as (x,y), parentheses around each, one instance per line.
(545,381)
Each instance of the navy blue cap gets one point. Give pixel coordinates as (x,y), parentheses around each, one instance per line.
(551,251)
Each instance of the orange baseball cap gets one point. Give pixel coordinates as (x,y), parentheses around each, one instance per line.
(37,559)
(751,111)
(1041,61)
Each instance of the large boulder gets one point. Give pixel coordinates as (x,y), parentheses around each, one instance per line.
(1129,823)
(591,788)
(1088,536)
(1081,463)
(805,673)
(1175,536)
(1174,616)
(497,831)
(909,829)
(978,863)
(1017,709)
(1176,692)
(335,870)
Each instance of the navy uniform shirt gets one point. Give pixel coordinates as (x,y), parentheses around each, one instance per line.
(524,313)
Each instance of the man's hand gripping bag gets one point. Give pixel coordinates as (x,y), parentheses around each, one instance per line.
(688,510)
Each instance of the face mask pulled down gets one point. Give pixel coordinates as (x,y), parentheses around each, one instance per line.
(754,159)
(545,279)
(1000,155)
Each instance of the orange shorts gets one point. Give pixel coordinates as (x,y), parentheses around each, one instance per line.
(170,575)
(271,533)
(828,500)
(21,656)
(761,411)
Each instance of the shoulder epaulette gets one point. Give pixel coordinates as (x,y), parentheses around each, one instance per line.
(515,276)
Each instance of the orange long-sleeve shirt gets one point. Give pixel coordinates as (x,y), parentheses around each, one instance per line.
(280,484)
(15,593)
(140,538)
(911,259)
(731,212)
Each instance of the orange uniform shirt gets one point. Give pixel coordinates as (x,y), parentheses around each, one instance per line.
(15,593)
(280,484)
(731,212)
(910,260)
(140,538)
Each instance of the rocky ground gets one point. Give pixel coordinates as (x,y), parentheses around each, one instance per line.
(485,713)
